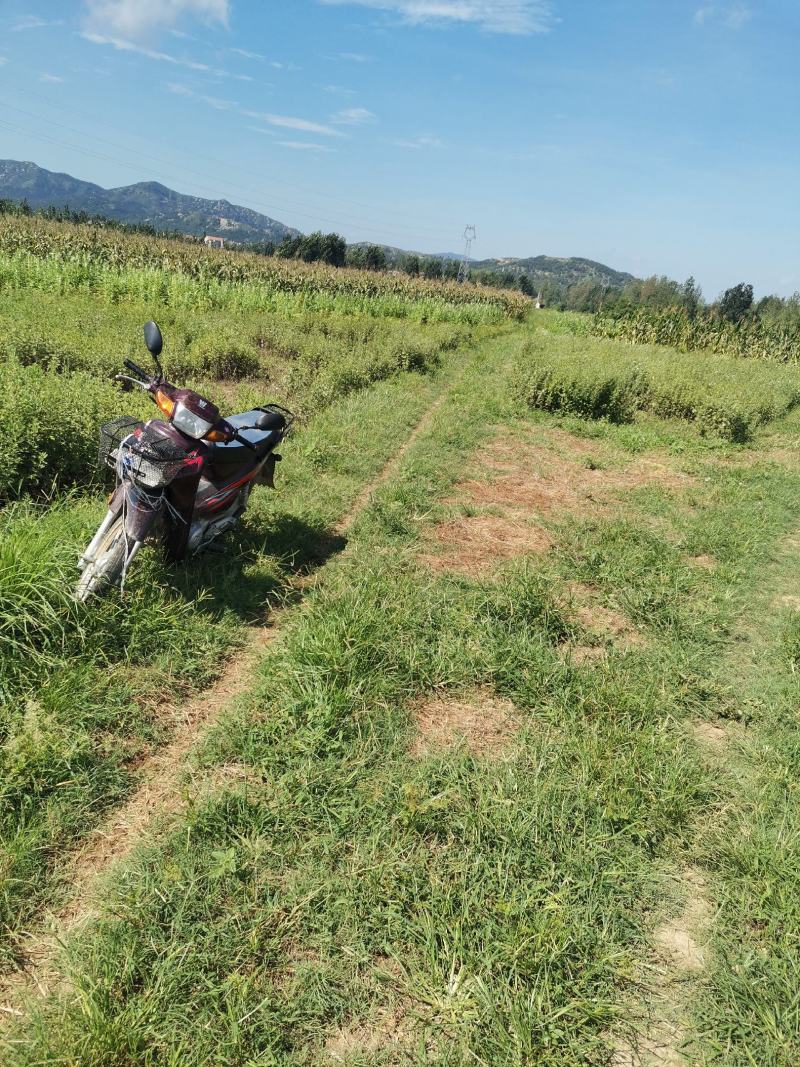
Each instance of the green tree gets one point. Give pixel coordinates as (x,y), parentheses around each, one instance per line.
(692,297)
(334,249)
(374,258)
(410,264)
(736,302)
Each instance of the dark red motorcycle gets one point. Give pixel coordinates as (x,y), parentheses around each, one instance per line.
(181,482)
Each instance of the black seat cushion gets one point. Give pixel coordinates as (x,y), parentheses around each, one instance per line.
(236,452)
(267,420)
(263,440)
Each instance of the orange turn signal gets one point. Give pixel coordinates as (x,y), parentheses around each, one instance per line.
(218,435)
(165,403)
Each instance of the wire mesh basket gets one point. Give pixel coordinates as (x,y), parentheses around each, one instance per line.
(112,434)
(147,458)
(152,460)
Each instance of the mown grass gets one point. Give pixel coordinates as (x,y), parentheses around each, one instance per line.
(447,909)
(598,379)
(748,1009)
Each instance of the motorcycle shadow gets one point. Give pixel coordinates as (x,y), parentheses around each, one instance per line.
(250,570)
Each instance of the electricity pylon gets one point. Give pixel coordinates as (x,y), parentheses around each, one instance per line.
(463,269)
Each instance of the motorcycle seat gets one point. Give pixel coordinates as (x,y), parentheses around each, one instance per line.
(270,420)
(235,453)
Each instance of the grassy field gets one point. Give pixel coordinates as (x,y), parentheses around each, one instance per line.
(514,778)
(86,696)
(725,395)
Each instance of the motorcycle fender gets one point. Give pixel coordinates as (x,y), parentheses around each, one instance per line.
(141,510)
(267,475)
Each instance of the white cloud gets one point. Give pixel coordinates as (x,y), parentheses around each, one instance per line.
(492,16)
(289,122)
(3,61)
(338,90)
(33,22)
(245,54)
(734,16)
(54,78)
(305,146)
(350,57)
(353,116)
(420,142)
(281,122)
(284,66)
(211,101)
(138,18)
(738,16)
(123,45)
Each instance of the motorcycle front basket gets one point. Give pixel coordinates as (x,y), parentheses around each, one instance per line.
(112,434)
(151,460)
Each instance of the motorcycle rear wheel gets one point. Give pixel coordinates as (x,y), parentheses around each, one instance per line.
(106,567)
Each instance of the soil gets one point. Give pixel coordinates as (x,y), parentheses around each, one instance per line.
(513,485)
(483,722)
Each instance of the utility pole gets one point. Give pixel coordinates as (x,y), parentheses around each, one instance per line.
(469,237)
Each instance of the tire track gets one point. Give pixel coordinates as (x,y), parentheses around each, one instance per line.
(161,794)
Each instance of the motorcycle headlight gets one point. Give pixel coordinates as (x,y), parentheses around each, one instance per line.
(190,423)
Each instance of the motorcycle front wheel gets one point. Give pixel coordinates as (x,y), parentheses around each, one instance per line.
(106,567)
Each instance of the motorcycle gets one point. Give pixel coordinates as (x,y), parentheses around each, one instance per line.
(181,482)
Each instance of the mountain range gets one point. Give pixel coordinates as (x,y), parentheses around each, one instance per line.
(164,209)
(145,202)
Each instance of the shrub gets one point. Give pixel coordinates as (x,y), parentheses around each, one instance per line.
(50,426)
(599,380)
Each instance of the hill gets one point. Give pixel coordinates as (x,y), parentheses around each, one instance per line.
(560,272)
(165,209)
(144,202)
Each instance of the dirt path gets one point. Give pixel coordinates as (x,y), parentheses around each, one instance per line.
(366,494)
(162,792)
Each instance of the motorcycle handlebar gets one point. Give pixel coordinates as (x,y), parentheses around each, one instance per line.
(136,369)
(243,441)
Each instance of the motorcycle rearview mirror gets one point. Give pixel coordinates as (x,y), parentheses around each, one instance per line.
(154,342)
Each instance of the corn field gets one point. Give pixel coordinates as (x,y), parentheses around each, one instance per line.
(674,328)
(89,257)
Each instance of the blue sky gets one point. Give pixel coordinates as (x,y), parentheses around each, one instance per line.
(658,136)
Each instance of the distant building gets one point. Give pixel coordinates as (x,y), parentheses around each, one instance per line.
(214,242)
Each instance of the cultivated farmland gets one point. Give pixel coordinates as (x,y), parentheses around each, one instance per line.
(478,743)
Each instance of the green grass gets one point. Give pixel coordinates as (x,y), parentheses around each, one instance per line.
(724,395)
(449,908)
(499,907)
(80,688)
(57,356)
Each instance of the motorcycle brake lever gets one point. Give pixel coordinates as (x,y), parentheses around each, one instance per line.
(128,383)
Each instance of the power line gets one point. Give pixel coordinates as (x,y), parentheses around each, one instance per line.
(213,193)
(368,225)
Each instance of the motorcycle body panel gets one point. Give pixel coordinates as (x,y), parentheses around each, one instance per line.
(207,496)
